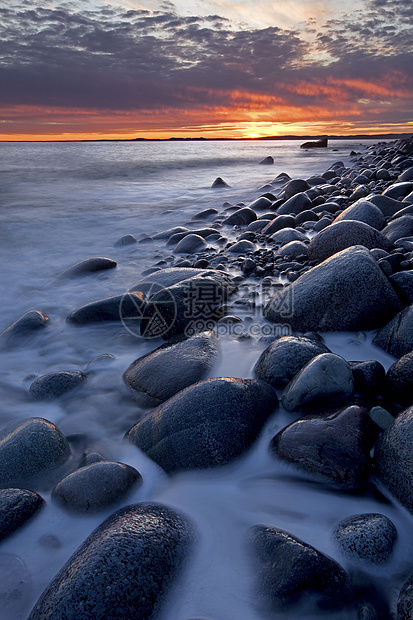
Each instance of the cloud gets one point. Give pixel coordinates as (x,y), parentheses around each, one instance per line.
(109,59)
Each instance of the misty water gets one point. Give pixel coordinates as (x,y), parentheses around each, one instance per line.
(63,202)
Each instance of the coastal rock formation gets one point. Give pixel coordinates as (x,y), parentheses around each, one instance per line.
(89,265)
(321,143)
(28,324)
(366,537)
(397,336)
(55,384)
(16,507)
(126,307)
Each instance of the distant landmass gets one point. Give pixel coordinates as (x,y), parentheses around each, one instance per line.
(379,136)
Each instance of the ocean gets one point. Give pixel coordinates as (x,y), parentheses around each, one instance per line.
(63,202)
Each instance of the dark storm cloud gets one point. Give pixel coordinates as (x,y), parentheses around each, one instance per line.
(112,58)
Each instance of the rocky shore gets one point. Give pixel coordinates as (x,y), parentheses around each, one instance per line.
(331,253)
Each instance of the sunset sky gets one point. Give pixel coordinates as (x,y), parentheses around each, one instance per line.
(213,68)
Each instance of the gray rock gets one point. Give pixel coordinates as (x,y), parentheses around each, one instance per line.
(393,458)
(369,377)
(260,204)
(398,228)
(28,324)
(242,247)
(89,265)
(399,380)
(405,600)
(388,206)
(157,376)
(363,211)
(278,223)
(128,307)
(290,571)
(406,175)
(188,307)
(284,236)
(399,190)
(55,384)
(346,292)
(383,175)
(206,425)
(285,357)
(167,234)
(16,507)
(205,214)
(294,187)
(344,234)
(267,160)
(125,240)
(96,486)
(241,217)
(124,568)
(332,448)
(29,449)
(164,278)
(295,204)
(190,244)
(257,226)
(293,249)
(325,381)
(403,285)
(369,537)
(397,336)
(219,183)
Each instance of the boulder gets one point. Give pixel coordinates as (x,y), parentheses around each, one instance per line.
(321,143)
(295,186)
(219,182)
(16,507)
(369,377)
(285,357)
(393,460)
(241,247)
(190,244)
(290,571)
(388,206)
(158,375)
(346,292)
(89,265)
(368,537)
(165,278)
(398,228)
(403,285)
(263,203)
(405,600)
(125,240)
(17,333)
(325,381)
(332,448)
(30,449)
(363,211)
(55,384)
(242,217)
(278,223)
(123,569)
(208,424)
(269,160)
(284,236)
(128,307)
(406,175)
(344,234)
(399,190)
(399,380)
(293,249)
(295,204)
(96,486)
(167,234)
(397,336)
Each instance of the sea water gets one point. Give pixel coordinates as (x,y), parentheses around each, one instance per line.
(63,202)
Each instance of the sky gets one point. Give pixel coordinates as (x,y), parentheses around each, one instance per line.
(115,69)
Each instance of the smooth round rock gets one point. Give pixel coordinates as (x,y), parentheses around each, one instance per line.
(241,217)
(290,571)
(125,241)
(123,569)
(166,234)
(344,234)
(363,211)
(293,249)
(219,182)
(190,244)
(398,228)
(242,247)
(29,449)
(157,376)
(399,380)
(369,537)
(399,190)
(126,307)
(332,448)
(369,376)
(295,204)
(269,160)
(326,381)
(30,323)
(55,384)
(285,357)
(388,206)
(16,507)
(397,336)
(89,265)
(294,187)
(284,236)
(405,600)
(278,223)
(96,486)
(164,278)
(208,424)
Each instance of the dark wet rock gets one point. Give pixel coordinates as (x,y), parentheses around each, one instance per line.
(278,223)
(397,336)
(205,214)
(398,228)
(290,571)
(403,285)
(293,249)
(258,225)
(388,206)
(383,175)
(188,307)
(306,216)
(16,507)
(123,569)
(28,324)
(316,180)
(295,186)
(55,384)
(346,292)
(125,240)
(369,377)
(16,587)
(242,247)
(284,236)
(269,160)
(393,458)
(241,217)
(128,307)
(344,234)
(369,537)
(167,234)
(164,278)
(219,183)
(29,449)
(381,417)
(325,381)
(96,486)
(399,190)
(261,204)
(190,244)
(399,380)
(363,211)
(285,357)
(157,376)
(294,205)
(406,175)
(91,456)
(405,600)
(89,265)
(206,425)
(333,448)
